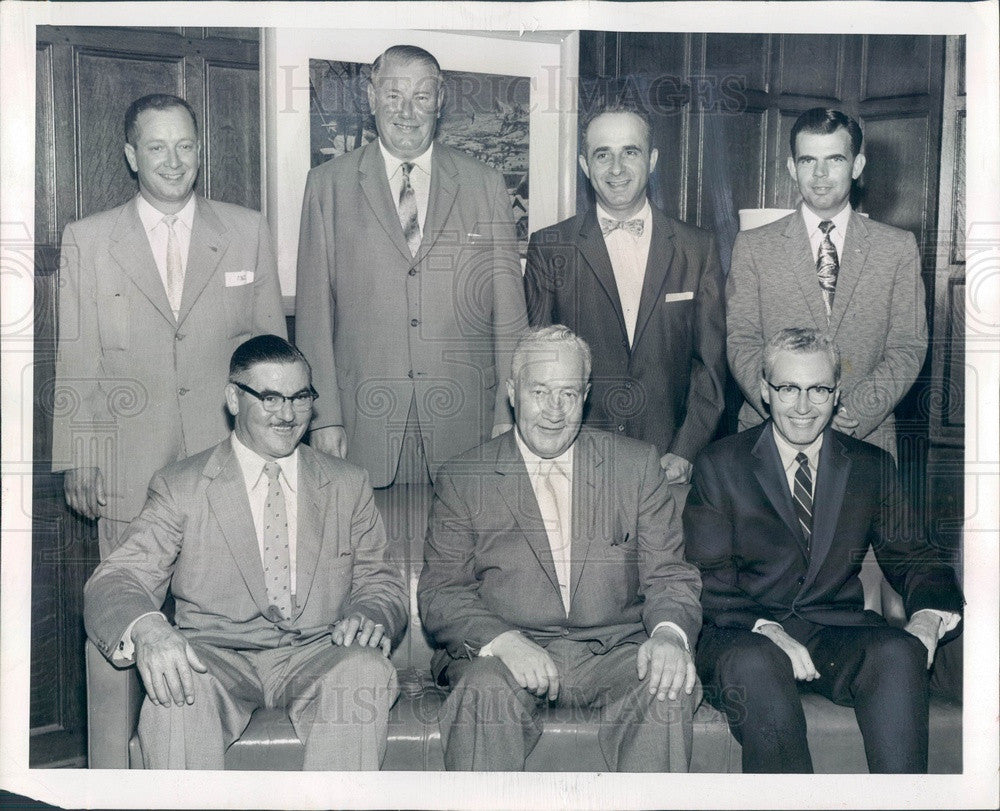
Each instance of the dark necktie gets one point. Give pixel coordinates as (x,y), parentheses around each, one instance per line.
(803,496)
(634,227)
(408,211)
(827,266)
(277,577)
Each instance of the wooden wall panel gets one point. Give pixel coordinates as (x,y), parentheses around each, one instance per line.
(105,86)
(233,105)
(45,139)
(810,66)
(897,174)
(895,66)
(739,55)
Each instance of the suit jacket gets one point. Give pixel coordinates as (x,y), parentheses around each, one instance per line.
(380,326)
(196,535)
(878,320)
(668,388)
(136,389)
(741,529)
(488,566)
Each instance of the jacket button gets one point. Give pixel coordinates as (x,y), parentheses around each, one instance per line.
(412,272)
(628,385)
(414,322)
(802,580)
(178,337)
(409,374)
(621,428)
(182,391)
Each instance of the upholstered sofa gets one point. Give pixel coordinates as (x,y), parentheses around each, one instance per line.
(569,741)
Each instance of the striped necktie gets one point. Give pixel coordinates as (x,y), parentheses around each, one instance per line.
(827,266)
(803,496)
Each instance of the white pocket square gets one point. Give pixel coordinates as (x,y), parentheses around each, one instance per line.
(236,278)
(686,296)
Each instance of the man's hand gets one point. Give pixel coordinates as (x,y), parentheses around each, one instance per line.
(164,660)
(84,489)
(676,468)
(331,440)
(844,422)
(924,626)
(669,666)
(502,428)
(802,663)
(528,662)
(366,632)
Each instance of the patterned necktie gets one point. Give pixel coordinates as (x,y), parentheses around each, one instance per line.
(634,227)
(827,266)
(803,496)
(277,577)
(407,209)
(175,268)
(552,477)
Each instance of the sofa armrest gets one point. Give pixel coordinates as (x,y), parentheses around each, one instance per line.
(114,696)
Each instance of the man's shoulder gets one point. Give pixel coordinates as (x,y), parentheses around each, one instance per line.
(683,230)
(883,232)
(231,213)
(737,446)
(622,447)
(99,222)
(334,468)
(769,231)
(464,162)
(345,165)
(563,233)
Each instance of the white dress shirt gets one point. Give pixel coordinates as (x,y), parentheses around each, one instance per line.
(837,234)
(157,232)
(420,180)
(629,255)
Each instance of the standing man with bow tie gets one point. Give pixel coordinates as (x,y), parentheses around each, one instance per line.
(828,268)
(644,290)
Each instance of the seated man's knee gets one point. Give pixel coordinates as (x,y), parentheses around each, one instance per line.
(756,661)
(896,649)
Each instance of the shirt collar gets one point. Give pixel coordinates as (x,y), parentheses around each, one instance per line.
(152,217)
(392,163)
(788,452)
(643,213)
(252,465)
(534,462)
(812,220)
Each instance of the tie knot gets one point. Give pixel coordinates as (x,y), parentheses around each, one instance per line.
(272,470)
(635,226)
(407,168)
(802,459)
(170,219)
(551,468)
(826,226)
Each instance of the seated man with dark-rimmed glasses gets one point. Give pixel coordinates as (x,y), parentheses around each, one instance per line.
(779,519)
(285,592)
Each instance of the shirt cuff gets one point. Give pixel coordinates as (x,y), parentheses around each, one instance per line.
(125,651)
(674,626)
(761,623)
(949,619)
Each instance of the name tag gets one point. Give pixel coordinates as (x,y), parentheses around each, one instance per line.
(236,278)
(687,296)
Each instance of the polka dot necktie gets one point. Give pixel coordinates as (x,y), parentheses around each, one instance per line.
(276,559)
(827,266)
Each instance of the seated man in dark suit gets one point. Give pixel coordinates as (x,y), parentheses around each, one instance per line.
(285,593)
(554,571)
(778,520)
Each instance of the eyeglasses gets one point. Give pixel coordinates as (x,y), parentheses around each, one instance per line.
(273,401)
(787,393)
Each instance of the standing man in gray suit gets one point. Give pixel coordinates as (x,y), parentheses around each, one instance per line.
(155,296)
(285,593)
(409,297)
(828,268)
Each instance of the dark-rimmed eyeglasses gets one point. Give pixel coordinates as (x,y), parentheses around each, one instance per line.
(274,401)
(787,393)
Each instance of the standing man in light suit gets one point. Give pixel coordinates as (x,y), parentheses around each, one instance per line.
(155,296)
(554,572)
(644,290)
(409,296)
(286,593)
(828,268)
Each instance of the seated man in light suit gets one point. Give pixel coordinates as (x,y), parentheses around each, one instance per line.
(554,572)
(285,592)
(778,520)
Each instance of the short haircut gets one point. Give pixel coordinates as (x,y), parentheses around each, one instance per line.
(617,107)
(405,54)
(824,121)
(154,101)
(539,342)
(264,349)
(800,340)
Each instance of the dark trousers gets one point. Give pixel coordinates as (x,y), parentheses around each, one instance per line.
(877,669)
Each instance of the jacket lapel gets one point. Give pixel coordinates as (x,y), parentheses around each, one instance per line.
(661,253)
(444,190)
(595,253)
(312,499)
(209,242)
(800,259)
(590,506)
(771,475)
(514,487)
(828,500)
(227,497)
(130,249)
(852,264)
(375,185)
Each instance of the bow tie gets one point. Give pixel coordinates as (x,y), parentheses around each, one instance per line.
(634,227)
